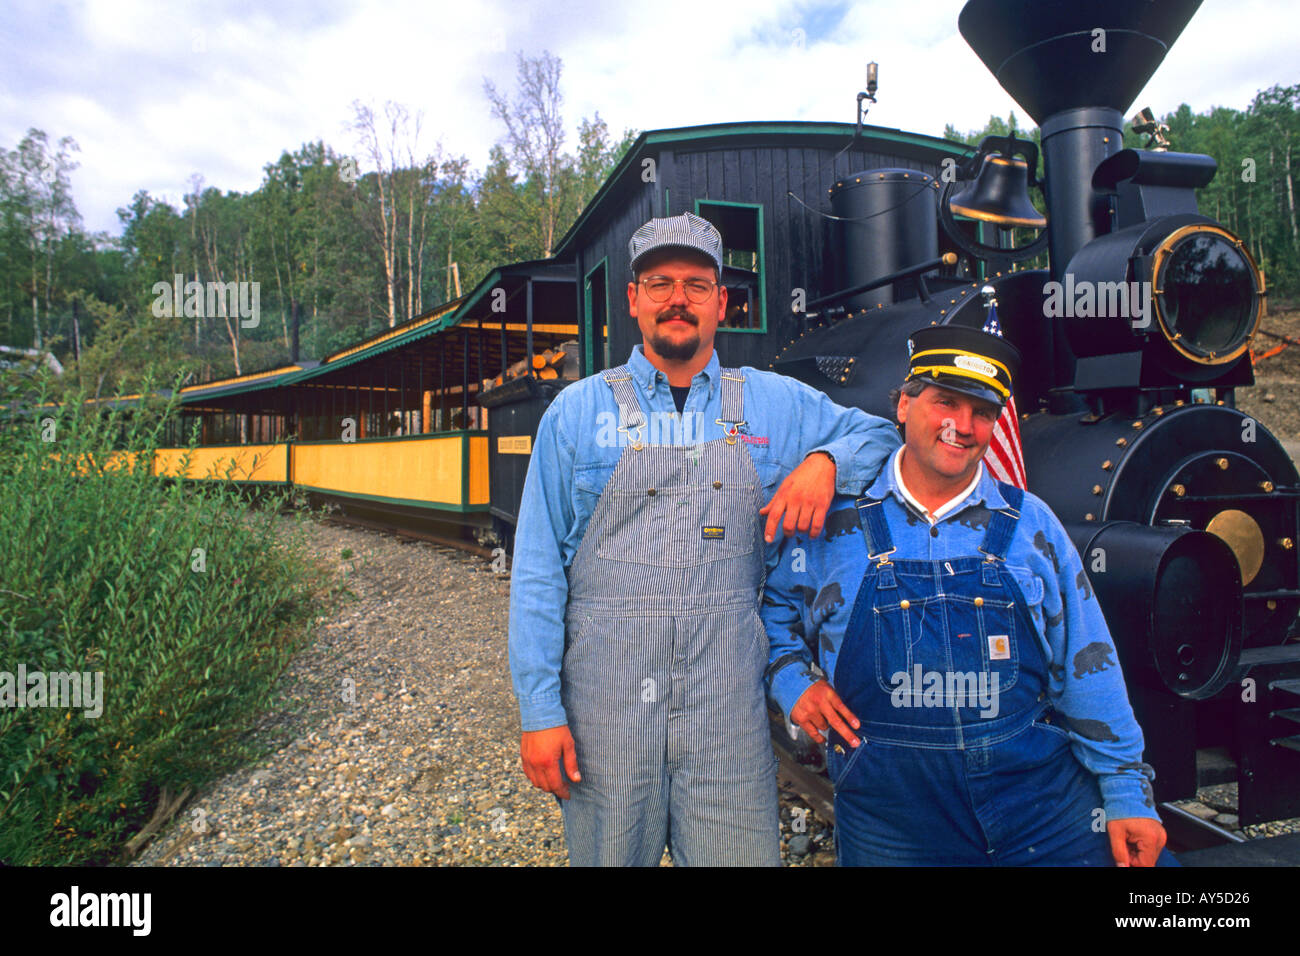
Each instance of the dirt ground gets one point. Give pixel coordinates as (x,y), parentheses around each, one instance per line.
(1274,401)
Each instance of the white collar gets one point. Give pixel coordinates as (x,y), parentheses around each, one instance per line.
(947,506)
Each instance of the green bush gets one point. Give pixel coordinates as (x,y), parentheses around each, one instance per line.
(100,571)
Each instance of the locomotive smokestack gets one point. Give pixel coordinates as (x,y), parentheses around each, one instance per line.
(1075,67)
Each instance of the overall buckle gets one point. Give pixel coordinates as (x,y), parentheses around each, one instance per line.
(635,442)
(883,556)
(729,433)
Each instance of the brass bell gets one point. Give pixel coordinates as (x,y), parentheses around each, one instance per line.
(999,194)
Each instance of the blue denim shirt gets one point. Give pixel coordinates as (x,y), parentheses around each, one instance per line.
(813,585)
(574,455)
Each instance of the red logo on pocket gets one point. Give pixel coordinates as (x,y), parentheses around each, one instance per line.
(754,439)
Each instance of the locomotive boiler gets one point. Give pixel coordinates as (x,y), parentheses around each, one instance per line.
(1183,510)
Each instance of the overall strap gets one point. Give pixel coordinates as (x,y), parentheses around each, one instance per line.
(871,518)
(632,420)
(733,404)
(1002,523)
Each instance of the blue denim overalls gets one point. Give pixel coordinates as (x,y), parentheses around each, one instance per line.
(662,679)
(962,761)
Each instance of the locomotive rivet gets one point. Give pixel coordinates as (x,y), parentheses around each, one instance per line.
(1266,486)
(1158,410)
(1271,605)
(952,301)
(1180,403)
(1089,517)
(979,602)
(1286,543)
(881,176)
(1107,465)
(1222,463)
(717,484)
(904,604)
(1178,490)
(1121,442)
(1219,402)
(943,311)
(1096,489)
(858,180)
(1137,425)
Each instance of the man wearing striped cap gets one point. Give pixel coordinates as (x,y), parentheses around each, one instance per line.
(974,711)
(635,642)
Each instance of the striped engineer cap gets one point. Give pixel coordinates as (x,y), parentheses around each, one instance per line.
(686,231)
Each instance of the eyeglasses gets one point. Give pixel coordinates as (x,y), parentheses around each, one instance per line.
(660,288)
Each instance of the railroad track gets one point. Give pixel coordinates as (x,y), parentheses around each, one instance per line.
(800,767)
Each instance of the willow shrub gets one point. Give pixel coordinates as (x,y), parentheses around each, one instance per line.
(182,596)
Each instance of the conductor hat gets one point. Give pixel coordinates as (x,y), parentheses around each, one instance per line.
(964,359)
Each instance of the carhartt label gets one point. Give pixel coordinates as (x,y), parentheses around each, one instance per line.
(999,647)
(717,533)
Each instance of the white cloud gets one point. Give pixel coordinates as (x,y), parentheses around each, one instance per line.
(125,80)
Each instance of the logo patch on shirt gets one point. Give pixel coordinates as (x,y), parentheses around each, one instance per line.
(999,647)
(709,533)
(754,439)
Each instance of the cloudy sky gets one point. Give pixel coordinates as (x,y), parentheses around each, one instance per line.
(155,92)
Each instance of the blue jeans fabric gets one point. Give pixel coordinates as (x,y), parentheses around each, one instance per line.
(941,778)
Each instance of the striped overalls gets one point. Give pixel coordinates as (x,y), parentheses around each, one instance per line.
(662,679)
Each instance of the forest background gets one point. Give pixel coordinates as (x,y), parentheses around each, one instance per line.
(345,244)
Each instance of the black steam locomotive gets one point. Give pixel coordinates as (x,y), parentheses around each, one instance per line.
(1184,511)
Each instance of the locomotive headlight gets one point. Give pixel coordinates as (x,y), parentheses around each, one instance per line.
(1181,289)
(1206,292)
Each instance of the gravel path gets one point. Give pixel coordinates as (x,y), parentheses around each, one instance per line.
(395,739)
(420,766)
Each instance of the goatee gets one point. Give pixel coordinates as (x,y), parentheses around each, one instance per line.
(675,350)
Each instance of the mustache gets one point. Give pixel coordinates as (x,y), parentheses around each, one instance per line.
(676,314)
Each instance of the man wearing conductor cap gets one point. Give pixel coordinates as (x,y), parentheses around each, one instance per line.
(972,707)
(635,643)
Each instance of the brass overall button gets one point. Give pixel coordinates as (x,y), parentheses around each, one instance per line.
(651,492)
(717,484)
(904,604)
(839,749)
(979,602)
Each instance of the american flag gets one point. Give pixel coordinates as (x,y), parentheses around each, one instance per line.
(1005,457)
